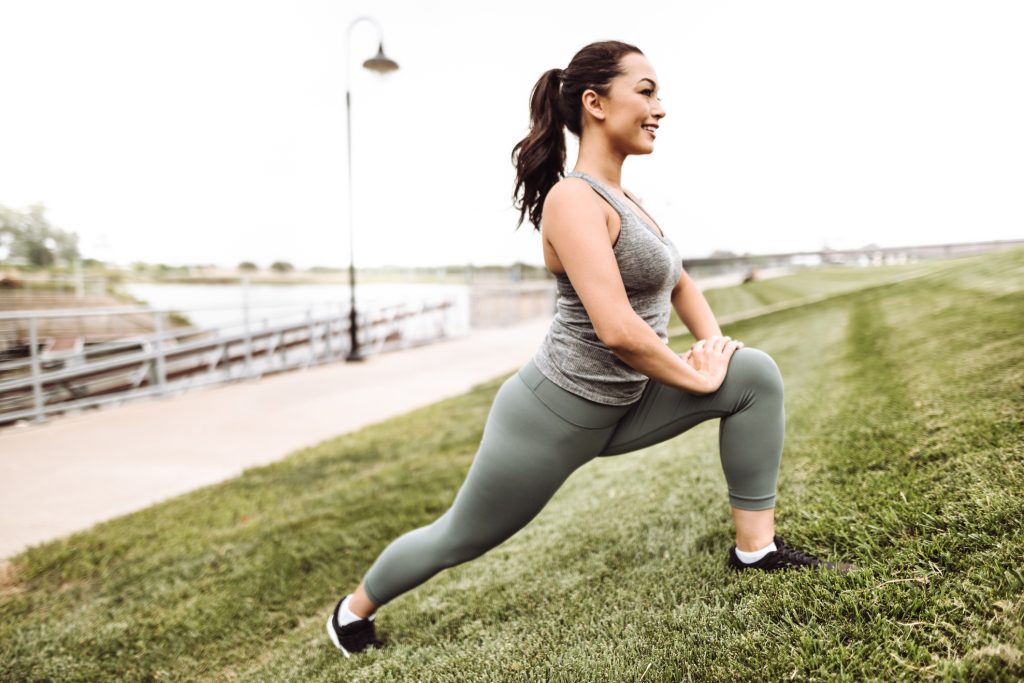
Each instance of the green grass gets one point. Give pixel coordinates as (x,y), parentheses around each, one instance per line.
(904,454)
(806,286)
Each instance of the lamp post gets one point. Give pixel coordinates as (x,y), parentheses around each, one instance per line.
(381,65)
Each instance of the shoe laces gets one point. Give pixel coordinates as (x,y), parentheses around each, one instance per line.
(795,555)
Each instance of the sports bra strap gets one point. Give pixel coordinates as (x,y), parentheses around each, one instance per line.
(601,189)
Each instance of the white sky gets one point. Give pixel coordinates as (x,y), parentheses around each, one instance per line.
(213,131)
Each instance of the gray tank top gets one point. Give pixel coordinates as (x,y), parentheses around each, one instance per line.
(571,355)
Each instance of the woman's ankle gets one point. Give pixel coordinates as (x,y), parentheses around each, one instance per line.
(755,529)
(754,543)
(360,603)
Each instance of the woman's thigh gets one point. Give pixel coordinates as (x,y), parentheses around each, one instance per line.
(533,439)
(535,436)
(663,412)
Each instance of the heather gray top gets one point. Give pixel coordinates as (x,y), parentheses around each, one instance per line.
(571,355)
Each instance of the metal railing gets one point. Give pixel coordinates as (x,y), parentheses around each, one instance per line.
(175,360)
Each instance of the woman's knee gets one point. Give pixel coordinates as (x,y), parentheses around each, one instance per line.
(454,543)
(457,550)
(754,368)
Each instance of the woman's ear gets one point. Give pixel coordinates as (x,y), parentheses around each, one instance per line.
(593,103)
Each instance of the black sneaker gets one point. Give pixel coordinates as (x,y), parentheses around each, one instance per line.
(786,557)
(352,637)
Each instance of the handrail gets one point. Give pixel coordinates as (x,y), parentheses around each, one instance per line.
(158,362)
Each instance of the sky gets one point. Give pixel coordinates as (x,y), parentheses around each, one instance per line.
(214,131)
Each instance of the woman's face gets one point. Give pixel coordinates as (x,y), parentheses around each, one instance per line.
(632,109)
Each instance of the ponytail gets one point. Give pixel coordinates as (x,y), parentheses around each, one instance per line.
(539,158)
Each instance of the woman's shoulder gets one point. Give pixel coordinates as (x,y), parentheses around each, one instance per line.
(571,205)
(571,183)
(570,191)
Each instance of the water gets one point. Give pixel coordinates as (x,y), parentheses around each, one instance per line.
(223,306)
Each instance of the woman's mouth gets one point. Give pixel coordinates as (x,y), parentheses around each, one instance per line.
(650,128)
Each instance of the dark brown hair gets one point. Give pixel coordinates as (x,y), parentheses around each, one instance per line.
(556,101)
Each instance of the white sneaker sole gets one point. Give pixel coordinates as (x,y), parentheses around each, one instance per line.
(334,636)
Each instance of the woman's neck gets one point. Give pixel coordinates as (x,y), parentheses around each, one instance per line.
(604,164)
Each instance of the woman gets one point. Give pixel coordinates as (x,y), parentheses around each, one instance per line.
(603,381)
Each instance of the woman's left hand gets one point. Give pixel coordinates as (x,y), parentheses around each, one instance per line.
(688,356)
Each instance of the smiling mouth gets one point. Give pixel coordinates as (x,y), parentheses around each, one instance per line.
(650,129)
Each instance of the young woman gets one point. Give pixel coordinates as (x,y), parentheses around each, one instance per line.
(603,381)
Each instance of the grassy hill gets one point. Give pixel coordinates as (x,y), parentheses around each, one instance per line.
(904,454)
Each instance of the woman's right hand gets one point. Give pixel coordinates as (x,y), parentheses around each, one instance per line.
(710,357)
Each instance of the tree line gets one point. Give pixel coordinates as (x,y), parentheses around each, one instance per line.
(27,237)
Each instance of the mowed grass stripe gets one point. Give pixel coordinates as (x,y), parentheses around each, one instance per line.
(761,297)
(904,454)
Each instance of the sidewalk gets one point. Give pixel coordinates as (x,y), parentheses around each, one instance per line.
(71,472)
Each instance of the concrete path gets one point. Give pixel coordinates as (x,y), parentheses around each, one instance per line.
(71,472)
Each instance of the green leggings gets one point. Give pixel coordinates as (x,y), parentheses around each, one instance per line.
(537,434)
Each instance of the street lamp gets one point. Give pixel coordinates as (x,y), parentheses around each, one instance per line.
(382,65)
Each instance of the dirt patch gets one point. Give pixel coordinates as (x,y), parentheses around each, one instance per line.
(10,584)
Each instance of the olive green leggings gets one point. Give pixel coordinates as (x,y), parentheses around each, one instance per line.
(537,434)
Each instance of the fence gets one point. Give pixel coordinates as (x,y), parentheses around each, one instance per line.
(62,378)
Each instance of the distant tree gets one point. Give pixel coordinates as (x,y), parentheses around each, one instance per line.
(281,267)
(723,253)
(28,237)
(248,266)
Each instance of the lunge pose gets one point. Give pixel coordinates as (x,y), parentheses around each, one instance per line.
(604,381)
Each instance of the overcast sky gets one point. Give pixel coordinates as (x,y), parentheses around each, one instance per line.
(213,131)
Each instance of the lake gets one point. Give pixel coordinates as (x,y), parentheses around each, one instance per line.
(223,306)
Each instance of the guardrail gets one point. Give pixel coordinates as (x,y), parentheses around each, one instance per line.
(172,361)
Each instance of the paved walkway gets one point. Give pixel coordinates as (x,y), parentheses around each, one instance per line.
(73,471)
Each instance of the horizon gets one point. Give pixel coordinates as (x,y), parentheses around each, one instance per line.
(723,257)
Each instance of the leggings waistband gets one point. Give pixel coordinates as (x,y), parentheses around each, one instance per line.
(580,411)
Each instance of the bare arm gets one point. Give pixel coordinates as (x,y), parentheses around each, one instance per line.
(709,355)
(693,309)
(575,226)
(644,351)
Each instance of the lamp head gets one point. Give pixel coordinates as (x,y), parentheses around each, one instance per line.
(380,63)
